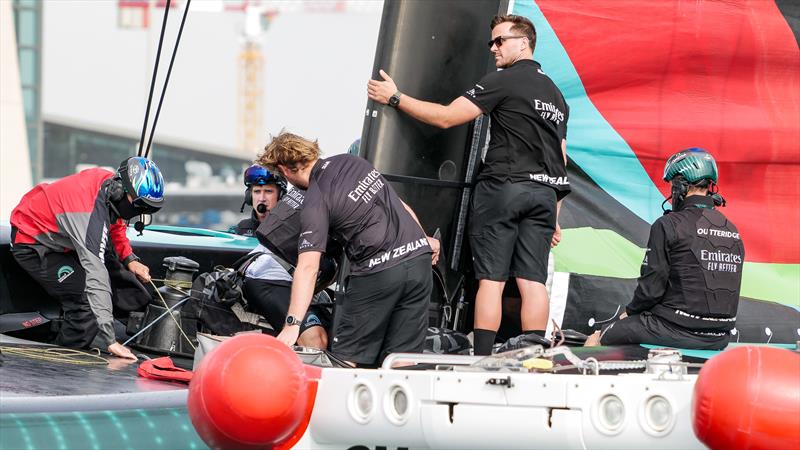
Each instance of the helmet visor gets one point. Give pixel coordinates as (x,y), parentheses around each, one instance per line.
(259,176)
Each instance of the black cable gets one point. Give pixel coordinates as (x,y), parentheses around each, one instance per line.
(166,81)
(155,73)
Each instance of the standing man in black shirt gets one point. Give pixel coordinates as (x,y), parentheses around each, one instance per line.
(385,307)
(514,211)
(688,291)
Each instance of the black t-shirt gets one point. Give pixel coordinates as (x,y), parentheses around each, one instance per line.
(692,270)
(349,197)
(528,122)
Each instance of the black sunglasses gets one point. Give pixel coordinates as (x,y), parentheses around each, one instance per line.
(498,41)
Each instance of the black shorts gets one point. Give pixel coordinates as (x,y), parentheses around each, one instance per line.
(271,300)
(383,313)
(510,229)
(646,328)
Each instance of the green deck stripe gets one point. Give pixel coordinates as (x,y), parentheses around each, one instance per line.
(590,251)
(778,283)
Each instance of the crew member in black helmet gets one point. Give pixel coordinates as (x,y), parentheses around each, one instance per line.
(688,291)
(264,190)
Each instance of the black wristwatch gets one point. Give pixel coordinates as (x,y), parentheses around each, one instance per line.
(292,320)
(131,258)
(394,100)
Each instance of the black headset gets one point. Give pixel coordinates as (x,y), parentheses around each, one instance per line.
(116,191)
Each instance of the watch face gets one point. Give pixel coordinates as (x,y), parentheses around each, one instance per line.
(291,320)
(394,100)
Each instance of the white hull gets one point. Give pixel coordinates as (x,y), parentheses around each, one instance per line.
(459,410)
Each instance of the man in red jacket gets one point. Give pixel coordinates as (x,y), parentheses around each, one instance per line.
(60,236)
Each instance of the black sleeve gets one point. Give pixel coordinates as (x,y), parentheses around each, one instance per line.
(487,93)
(562,130)
(655,271)
(314,221)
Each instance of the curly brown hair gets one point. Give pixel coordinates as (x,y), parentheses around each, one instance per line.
(522,25)
(288,150)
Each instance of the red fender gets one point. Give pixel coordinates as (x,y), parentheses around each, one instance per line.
(749,398)
(251,392)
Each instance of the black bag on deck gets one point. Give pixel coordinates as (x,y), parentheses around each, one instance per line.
(214,294)
(446,342)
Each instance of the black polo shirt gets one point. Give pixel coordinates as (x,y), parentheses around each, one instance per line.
(350,199)
(692,270)
(528,121)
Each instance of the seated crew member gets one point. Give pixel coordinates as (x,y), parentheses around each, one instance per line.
(688,291)
(261,184)
(267,284)
(388,291)
(60,232)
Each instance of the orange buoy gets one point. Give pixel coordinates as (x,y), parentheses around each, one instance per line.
(749,398)
(250,392)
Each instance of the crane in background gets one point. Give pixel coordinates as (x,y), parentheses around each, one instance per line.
(258,14)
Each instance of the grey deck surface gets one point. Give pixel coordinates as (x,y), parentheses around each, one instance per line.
(28,384)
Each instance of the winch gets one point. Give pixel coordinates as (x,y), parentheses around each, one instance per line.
(164,336)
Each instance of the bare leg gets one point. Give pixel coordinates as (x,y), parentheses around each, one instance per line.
(535,304)
(593,340)
(488,310)
(314,337)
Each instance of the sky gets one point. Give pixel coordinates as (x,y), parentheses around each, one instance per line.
(316,66)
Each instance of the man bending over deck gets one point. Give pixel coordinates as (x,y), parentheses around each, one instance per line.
(688,291)
(65,234)
(385,307)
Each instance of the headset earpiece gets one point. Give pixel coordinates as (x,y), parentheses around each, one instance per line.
(115,189)
(248,197)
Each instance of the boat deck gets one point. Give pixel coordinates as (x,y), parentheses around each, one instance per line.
(34,384)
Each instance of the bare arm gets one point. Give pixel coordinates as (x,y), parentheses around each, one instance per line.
(557,234)
(458,112)
(302,292)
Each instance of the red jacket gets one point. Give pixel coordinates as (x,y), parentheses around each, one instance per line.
(72,214)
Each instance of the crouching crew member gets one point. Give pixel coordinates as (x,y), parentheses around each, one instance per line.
(385,306)
(688,291)
(60,235)
(263,190)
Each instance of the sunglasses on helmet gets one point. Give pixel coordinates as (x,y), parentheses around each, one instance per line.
(258,175)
